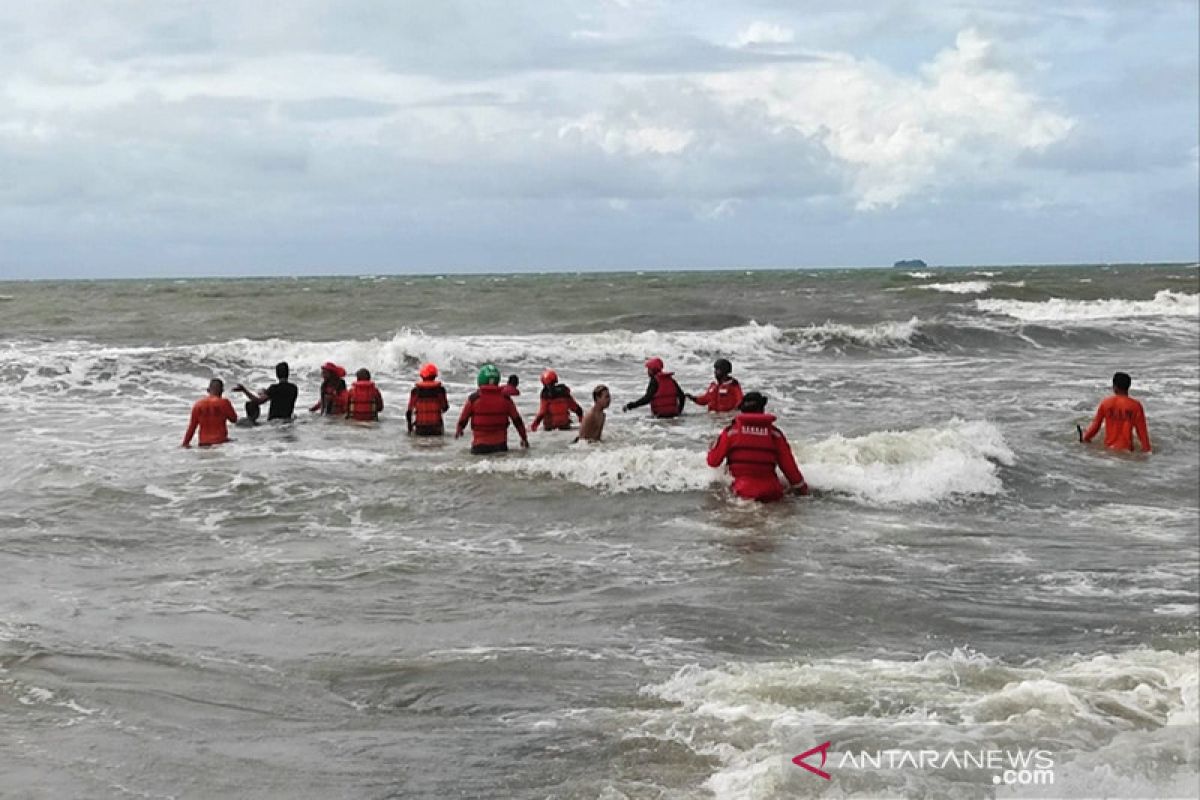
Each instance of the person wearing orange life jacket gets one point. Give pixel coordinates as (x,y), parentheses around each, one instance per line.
(663,394)
(363,401)
(1121,416)
(332,402)
(753,447)
(209,414)
(512,387)
(426,404)
(724,393)
(489,412)
(557,405)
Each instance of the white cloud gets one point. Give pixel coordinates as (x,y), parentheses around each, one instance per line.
(758,32)
(171,116)
(963,118)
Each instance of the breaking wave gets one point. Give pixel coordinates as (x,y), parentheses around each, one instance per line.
(906,467)
(1102,719)
(927,465)
(1166,303)
(959,287)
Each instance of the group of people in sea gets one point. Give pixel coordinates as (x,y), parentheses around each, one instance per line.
(754,449)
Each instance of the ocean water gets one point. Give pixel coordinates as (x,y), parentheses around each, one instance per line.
(331,610)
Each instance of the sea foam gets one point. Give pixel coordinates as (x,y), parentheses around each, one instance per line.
(1166,303)
(1099,717)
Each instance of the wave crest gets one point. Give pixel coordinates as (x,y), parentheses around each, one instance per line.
(907,467)
(1166,303)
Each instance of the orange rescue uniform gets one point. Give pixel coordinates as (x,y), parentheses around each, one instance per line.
(1121,417)
(210,414)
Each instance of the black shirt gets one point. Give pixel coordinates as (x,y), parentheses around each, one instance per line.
(283,400)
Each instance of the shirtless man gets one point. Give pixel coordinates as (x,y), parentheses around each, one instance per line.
(593,421)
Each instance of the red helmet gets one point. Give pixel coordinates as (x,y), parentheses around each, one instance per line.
(339,372)
(428,371)
(549,377)
(654,365)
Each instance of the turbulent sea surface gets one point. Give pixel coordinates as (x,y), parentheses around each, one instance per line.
(329,610)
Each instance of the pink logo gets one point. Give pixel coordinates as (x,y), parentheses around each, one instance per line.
(821,748)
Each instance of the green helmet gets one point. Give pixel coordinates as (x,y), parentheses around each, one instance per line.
(488,374)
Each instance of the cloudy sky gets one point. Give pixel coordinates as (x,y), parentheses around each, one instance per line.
(226,137)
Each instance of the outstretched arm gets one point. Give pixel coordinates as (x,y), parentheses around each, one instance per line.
(254,398)
(651,390)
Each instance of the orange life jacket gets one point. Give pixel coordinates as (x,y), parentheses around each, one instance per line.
(555,411)
(489,416)
(752,449)
(427,402)
(333,398)
(363,401)
(665,402)
(723,396)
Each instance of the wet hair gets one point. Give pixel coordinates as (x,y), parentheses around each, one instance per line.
(723,366)
(282,370)
(216,384)
(753,403)
(599,390)
(1122,381)
(513,380)
(363,374)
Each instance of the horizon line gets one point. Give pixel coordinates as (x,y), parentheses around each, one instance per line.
(435,274)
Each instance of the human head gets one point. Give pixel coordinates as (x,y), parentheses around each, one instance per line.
(363,374)
(753,403)
(654,365)
(488,374)
(330,370)
(216,387)
(549,377)
(601,396)
(1121,382)
(722,368)
(428,371)
(513,380)
(281,370)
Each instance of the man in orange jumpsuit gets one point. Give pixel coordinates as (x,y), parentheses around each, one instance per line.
(209,414)
(1121,416)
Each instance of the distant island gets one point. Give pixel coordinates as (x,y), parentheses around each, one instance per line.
(911,263)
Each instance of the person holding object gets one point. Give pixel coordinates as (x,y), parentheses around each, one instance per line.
(1121,416)
(281,395)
